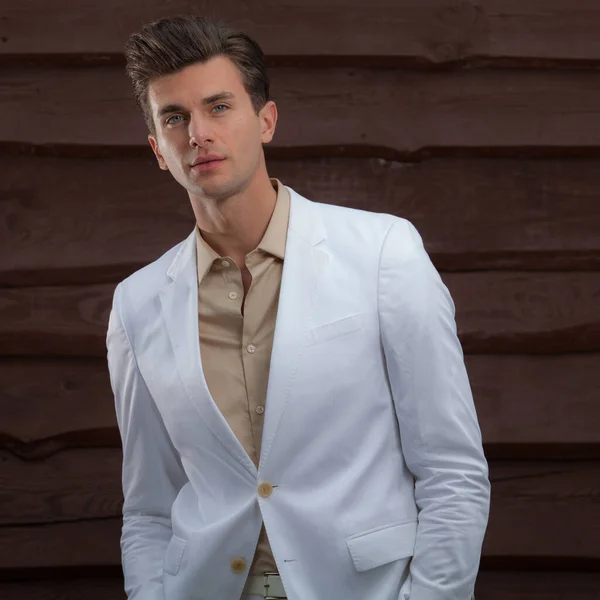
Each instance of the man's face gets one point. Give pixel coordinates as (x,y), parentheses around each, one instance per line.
(201,110)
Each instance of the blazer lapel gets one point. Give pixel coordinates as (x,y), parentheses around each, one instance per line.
(304,266)
(179,300)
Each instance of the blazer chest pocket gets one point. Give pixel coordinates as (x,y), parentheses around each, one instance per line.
(376,547)
(335,329)
(174,554)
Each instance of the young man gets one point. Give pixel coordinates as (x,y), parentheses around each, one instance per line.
(291,394)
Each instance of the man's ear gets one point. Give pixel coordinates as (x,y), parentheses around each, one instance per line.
(159,157)
(268,118)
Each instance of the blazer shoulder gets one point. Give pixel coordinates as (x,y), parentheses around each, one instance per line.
(347,213)
(146,282)
(365,226)
(403,242)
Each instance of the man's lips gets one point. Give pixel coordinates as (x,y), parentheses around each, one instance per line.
(207,165)
(207,159)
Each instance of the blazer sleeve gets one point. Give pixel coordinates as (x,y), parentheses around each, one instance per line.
(152,474)
(440,434)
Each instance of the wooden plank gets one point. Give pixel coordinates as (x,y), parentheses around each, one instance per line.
(531,313)
(537,585)
(55,321)
(48,405)
(532,400)
(491,585)
(72,588)
(472,214)
(544,509)
(435,32)
(401,113)
(496,312)
(65,510)
(65,488)
(86,543)
(92,221)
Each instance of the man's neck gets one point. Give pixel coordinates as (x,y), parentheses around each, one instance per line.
(236,226)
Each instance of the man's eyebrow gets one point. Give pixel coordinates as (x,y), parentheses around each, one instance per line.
(171,108)
(218,97)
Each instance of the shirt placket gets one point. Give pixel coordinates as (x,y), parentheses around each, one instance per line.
(234,295)
(254,349)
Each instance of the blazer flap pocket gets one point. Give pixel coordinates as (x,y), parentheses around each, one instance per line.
(334,329)
(382,545)
(174,554)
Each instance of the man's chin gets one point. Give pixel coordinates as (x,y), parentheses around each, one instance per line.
(215,189)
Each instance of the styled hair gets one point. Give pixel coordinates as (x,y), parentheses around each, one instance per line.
(168,45)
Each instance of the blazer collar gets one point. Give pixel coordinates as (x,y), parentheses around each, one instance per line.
(304,220)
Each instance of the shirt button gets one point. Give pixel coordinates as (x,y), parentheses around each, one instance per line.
(233,295)
(260,410)
(238,565)
(225,263)
(251,348)
(265,489)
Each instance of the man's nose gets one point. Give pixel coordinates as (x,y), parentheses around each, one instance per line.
(200,131)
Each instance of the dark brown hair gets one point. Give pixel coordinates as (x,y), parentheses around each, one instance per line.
(168,45)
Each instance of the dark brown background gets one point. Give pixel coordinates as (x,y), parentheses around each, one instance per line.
(477,121)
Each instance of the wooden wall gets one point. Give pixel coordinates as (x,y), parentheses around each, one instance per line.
(478,121)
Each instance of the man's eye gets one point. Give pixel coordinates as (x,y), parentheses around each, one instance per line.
(169,121)
(219,105)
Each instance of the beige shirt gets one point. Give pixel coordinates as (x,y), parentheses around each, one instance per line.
(236,336)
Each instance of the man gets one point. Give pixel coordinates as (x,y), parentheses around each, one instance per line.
(294,408)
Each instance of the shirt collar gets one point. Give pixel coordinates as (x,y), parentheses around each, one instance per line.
(273,241)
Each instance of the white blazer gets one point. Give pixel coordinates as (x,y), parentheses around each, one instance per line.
(371,440)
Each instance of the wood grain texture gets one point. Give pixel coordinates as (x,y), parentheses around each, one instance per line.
(92,587)
(95,221)
(529,400)
(496,312)
(491,585)
(401,113)
(66,488)
(49,405)
(516,312)
(65,510)
(537,585)
(55,321)
(437,31)
(544,509)
(86,543)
